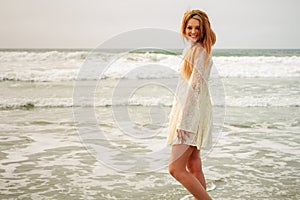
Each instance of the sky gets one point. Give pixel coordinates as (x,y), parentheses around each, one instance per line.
(267,24)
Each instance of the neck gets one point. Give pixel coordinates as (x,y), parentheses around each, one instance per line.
(194,44)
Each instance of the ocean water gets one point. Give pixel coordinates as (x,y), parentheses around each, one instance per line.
(54,137)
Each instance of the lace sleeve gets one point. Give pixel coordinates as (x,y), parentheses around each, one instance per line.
(189,115)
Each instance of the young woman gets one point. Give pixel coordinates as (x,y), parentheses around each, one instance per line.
(191,115)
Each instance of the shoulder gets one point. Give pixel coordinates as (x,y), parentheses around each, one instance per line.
(203,60)
(201,54)
(200,51)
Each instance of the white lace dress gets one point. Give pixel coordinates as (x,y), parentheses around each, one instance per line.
(192,108)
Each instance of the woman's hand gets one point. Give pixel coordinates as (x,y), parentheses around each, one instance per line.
(182,134)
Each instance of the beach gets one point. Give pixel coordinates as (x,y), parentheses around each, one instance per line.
(46,155)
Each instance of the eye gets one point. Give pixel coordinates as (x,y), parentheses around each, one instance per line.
(189,27)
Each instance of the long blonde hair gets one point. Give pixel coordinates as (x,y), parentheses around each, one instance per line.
(207,39)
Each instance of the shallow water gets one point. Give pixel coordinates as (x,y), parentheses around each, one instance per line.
(42,156)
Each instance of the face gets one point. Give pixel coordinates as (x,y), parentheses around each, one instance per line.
(192,30)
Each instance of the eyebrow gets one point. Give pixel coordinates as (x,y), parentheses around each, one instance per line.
(191,25)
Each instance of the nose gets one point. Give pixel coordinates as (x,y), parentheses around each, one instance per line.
(193,30)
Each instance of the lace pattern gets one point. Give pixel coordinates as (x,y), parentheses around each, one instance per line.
(192,109)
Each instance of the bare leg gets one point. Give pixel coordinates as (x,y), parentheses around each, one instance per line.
(179,157)
(194,166)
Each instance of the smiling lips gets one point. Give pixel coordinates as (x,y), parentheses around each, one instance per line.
(194,37)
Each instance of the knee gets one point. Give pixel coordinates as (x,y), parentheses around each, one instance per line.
(175,171)
(172,169)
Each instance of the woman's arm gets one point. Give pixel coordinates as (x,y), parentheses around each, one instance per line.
(189,115)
